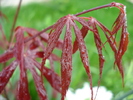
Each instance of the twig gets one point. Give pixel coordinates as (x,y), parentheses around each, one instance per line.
(38,34)
(96,8)
(14,23)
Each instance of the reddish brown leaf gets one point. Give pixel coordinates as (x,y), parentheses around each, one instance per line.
(36,42)
(39,54)
(23,93)
(54,36)
(99,46)
(19,44)
(121,50)
(6,74)
(84,32)
(50,75)
(33,45)
(83,54)
(22,90)
(110,38)
(45,37)
(98,43)
(37,79)
(123,44)
(7,55)
(118,23)
(53,56)
(66,60)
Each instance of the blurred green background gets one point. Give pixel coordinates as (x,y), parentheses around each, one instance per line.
(42,15)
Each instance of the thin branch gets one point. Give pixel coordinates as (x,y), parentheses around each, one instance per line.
(38,33)
(113,4)
(14,23)
(96,8)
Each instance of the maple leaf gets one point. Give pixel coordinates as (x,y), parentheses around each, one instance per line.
(25,58)
(27,49)
(90,25)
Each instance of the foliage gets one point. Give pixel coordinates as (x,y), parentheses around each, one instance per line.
(28,48)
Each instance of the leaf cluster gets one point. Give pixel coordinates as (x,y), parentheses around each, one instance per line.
(29,46)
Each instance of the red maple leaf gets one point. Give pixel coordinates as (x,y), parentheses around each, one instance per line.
(27,49)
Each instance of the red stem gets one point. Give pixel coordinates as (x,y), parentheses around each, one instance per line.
(38,33)
(96,8)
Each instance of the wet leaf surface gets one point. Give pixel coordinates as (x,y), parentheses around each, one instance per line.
(28,48)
